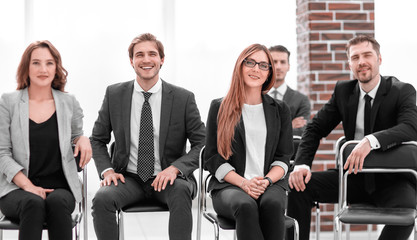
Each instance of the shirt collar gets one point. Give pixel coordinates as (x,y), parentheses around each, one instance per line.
(371,93)
(154,89)
(282,89)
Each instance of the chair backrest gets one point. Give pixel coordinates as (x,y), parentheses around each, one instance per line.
(296,142)
(405,156)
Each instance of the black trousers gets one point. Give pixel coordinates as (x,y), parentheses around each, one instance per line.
(32,212)
(255,219)
(109,199)
(391,190)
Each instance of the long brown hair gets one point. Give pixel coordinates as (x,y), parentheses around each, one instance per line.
(231,107)
(22,75)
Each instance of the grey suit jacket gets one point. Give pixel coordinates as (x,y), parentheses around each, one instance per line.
(14,140)
(299,106)
(180,120)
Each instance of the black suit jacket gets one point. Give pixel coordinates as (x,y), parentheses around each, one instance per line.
(299,106)
(393,116)
(279,146)
(180,120)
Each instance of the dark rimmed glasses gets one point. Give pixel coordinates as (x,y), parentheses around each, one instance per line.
(264,66)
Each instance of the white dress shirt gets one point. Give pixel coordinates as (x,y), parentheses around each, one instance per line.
(280,91)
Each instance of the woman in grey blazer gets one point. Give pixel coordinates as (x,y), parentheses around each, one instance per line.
(39,123)
(248,148)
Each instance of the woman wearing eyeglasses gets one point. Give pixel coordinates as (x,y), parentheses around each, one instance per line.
(39,123)
(248,147)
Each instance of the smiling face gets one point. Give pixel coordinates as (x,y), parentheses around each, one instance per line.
(42,68)
(146,62)
(255,77)
(364,63)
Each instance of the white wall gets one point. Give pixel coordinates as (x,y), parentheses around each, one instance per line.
(396,32)
(202,40)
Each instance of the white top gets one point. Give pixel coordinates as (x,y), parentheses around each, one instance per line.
(255,137)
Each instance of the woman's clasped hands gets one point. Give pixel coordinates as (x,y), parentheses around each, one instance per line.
(255,187)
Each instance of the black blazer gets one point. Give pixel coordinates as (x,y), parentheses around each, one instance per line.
(279,145)
(393,116)
(180,120)
(299,106)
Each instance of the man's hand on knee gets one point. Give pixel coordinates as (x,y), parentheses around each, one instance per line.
(299,178)
(169,174)
(111,176)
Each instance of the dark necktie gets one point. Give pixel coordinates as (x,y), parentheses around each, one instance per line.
(146,155)
(369,177)
(367,120)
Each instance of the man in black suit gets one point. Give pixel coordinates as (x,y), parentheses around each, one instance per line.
(151,121)
(392,120)
(299,103)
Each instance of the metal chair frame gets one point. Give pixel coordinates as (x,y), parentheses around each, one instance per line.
(218,221)
(344,208)
(138,207)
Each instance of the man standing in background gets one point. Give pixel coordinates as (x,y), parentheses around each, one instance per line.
(299,103)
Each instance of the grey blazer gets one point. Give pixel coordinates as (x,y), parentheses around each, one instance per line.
(14,137)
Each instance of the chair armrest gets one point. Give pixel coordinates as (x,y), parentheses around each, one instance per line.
(403,156)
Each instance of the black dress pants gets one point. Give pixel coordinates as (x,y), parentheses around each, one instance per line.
(255,219)
(391,190)
(32,212)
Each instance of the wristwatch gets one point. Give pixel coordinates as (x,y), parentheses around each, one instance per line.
(269,180)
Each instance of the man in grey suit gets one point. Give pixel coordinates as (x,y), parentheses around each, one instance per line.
(299,104)
(151,121)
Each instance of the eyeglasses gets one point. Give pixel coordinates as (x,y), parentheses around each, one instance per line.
(252,63)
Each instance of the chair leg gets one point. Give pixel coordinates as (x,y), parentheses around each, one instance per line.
(216,230)
(76,232)
(199,224)
(317,221)
(415,229)
(1,234)
(120,225)
(347,232)
(337,229)
(369,229)
(296,230)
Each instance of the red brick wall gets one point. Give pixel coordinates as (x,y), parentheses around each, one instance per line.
(323,28)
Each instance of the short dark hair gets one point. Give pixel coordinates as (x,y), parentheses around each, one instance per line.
(280,48)
(145,37)
(360,39)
